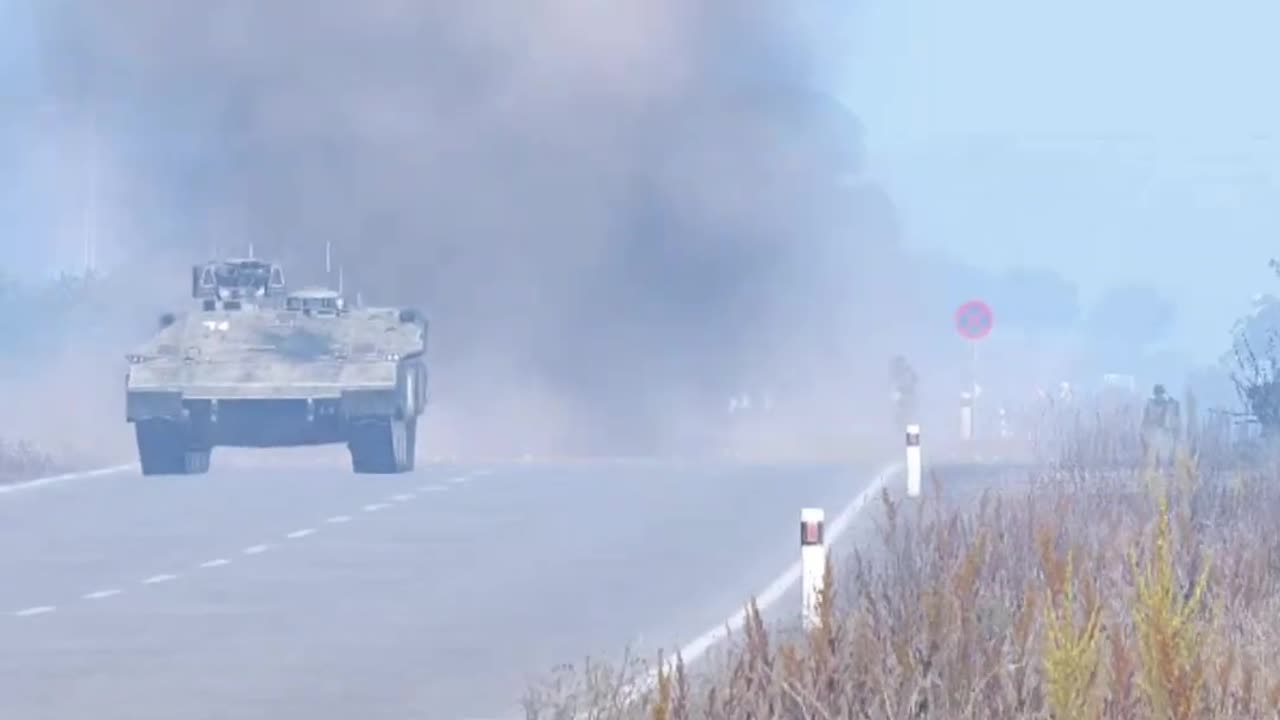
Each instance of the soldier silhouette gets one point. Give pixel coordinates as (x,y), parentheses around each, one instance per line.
(904,381)
(1161,424)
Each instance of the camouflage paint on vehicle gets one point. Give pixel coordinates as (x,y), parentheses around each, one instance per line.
(256,366)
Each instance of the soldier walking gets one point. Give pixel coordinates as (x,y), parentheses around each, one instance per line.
(904,392)
(1161,421)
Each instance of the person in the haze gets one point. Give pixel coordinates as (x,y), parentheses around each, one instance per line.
(1160,426)
(904,391)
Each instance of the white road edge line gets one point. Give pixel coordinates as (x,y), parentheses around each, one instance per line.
(215,563)
(35,611)
(156,579)
(255,549)
(459,480)
(375,507)
(300,533)
(338,519)
(54,479)
(432,488)
(402,497)
(100,594)
(699,646)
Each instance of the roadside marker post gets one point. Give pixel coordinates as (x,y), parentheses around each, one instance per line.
(813,564)
(914,466)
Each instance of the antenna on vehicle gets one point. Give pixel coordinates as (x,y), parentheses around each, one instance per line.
(328,257)
(250,251)
(339,279)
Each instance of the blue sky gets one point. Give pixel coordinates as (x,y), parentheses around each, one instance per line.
(15,44)
(1114,142)
(19,73)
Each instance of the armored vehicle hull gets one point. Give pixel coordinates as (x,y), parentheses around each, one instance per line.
(280,377)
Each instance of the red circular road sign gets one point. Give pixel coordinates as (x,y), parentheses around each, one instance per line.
(974,319)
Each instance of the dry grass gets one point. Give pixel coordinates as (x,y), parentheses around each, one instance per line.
(1078,596)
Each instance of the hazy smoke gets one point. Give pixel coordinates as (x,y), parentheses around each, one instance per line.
(615,213)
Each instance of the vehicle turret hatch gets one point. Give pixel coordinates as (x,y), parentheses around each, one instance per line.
(316,302)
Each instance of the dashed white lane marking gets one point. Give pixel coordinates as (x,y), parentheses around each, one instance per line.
(35,611)
(217,562)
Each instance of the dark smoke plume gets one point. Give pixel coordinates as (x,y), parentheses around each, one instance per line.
(616,213)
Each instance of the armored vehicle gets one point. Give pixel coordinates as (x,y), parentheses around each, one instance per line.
(256,365)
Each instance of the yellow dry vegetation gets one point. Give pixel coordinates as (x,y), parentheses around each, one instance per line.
(1062,594)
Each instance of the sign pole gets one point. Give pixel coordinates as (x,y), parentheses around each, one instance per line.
(974,321)
(973,376)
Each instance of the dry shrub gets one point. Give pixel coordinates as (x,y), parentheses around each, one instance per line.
(1089,437)
(24,461)
(1074,596)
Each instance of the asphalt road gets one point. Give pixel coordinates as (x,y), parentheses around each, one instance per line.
(313,593)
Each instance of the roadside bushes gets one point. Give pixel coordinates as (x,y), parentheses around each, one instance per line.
(23,461)
(1059,595)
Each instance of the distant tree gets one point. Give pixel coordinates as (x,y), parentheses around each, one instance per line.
(1028,299)
(1035,299)
(41,311)
(934,283)
(1257,381)
(1255,357)
(1128,319)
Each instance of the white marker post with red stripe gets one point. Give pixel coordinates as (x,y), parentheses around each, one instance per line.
(813,564)
(913,461)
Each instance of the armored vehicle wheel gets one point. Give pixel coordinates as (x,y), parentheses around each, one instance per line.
(164,448)
(382,446)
